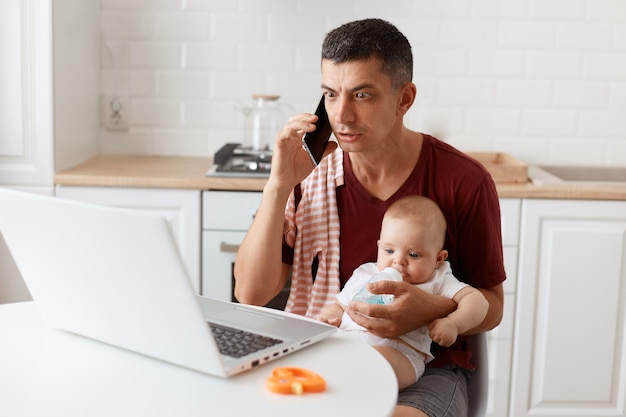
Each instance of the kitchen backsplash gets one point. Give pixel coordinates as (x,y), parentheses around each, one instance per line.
(544,80)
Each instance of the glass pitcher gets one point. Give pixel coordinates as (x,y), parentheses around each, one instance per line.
(264,120)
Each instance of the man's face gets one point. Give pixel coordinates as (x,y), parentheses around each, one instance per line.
(363,107)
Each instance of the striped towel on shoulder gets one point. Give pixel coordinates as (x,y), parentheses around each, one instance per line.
(313,230)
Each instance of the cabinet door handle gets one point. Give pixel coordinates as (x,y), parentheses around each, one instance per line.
(228,247)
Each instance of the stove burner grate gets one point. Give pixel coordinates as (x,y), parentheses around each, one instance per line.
(232,158)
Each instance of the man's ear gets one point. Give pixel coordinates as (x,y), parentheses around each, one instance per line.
(406,94)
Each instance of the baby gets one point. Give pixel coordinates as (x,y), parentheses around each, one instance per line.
(411,241)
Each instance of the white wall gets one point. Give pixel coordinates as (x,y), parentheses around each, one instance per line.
(76,78)
(544,80)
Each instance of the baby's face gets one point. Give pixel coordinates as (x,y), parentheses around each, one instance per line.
(409,248)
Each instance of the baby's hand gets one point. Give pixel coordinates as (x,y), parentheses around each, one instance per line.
(333,321)
(443,331)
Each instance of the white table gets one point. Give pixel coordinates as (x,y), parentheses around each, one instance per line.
(47,372)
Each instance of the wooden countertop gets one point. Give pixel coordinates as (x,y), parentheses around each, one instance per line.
(190,173)
(567,192)
(152,172)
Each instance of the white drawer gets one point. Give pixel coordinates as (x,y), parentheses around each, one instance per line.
(500,354)
(218,257)
(510,267)
(510,213)
(229,210)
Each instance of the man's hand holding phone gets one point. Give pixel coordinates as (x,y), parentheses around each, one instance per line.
(291,156)
(315,142)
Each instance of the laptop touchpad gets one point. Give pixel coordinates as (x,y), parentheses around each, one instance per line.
(247,318)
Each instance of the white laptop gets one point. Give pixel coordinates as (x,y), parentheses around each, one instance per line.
(115,275)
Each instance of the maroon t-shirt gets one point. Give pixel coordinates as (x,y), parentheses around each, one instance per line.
(467,196)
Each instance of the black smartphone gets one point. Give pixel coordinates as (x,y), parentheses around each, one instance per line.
(315,142)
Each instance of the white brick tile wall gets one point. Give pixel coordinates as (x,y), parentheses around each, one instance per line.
(605,66)
(238,27)
(194,141)
(286,28)
(268,6)
(527,34)
(498,9)
(587,36)
(293,87)
(111,79)
(183,85)
(142,5)
(493,122)
(210,5)
(321,8)
(576,151)
(527,148)
(605,10)
(467,92)
(183,26)
(128,25)
(619,37)
(209,56)
(273,57)
(207,114)
(164,55)
(237,85)
(616,152)
(441,122)
(555,65)
(497,63)
(544,80)
(556,9)
(441,62)
(156,113)
(308,58)
(583,95)
(441,8)
(422,32)
(525,93)
(372,7)
(550,123)
(468,33)
(604,124)
(617,99)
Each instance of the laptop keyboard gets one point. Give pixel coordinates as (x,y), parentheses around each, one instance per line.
(238,343)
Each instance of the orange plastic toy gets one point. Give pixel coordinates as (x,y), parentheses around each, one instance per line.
(294,381)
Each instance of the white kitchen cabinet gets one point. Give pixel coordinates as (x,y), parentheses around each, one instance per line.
(180,207)
(49,84)
(26,117)
(500,340)
(226,217)
(570,351)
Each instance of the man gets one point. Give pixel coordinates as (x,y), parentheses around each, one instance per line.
(325,221)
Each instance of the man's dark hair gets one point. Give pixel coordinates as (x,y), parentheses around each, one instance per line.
(371,38)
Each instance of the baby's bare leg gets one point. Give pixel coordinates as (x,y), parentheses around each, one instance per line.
(400,364)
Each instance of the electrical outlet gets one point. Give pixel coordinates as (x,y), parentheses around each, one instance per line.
(116,111)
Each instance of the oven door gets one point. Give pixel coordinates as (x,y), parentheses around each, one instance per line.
(219,249)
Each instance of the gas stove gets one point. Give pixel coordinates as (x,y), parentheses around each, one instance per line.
(234,160)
